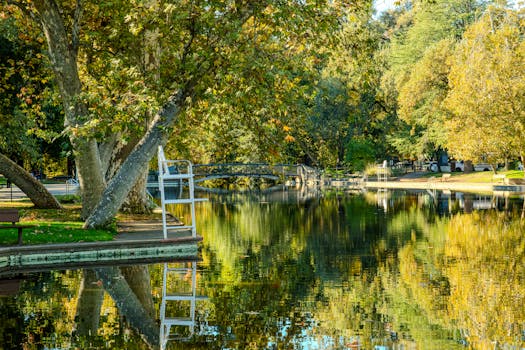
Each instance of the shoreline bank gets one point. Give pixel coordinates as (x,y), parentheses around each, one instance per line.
(446,186)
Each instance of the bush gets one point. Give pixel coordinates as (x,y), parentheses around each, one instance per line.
(359,153)
(371,170)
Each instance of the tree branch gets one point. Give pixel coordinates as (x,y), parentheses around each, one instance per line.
(76,27)
(24,9)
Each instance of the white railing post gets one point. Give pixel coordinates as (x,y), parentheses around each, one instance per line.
(192,199)
(160,179)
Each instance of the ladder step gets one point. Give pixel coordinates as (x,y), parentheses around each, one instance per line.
(179,201)
(180,269)
(178,321)
(175,176)
(180,298)
(184,200)
(180,228)
(197,297)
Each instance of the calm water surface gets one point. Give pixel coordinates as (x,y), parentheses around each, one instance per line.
(294,270)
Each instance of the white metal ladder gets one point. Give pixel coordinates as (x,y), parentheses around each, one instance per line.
(166,323)
(176,170)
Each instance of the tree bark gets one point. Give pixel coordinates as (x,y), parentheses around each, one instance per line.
(129,305)
(137,201)
(138,279)
(63,56)
(120,185)
(36,192)
(90,298)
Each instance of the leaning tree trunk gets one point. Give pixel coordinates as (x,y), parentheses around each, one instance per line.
(63,56)
(90,298)
(120,185)
(129,305)
(137,201)
(139,281)
(36,192)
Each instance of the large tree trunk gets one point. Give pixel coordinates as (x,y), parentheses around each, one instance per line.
(137,201)
(36,192)
(138,279)
(120,185)
(90,298)
(63,56)
(129,305)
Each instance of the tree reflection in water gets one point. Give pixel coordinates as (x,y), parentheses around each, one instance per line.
(440,271)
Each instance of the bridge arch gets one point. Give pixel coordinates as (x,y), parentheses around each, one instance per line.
(227,176)
(299,173)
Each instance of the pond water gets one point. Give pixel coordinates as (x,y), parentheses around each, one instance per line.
(296,270)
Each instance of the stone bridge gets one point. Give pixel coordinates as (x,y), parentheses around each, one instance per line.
(203,172)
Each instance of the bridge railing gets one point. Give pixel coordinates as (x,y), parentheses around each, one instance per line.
(248,169)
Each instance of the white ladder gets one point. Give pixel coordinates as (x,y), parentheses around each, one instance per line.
(166,323)
(181,170)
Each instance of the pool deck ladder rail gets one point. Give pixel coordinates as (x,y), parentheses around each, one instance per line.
(181,171)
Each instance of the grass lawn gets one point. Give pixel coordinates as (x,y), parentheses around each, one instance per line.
(54,232)
(51,225)
(476,176)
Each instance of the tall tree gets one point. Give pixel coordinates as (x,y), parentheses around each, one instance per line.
(198,42)
(25,99)
(420,26)
(487,89)
(347,114)
(421,97)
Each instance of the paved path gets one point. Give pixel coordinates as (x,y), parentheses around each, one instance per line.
(146,230)
(14,193)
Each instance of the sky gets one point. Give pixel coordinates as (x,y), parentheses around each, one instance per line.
(383,5)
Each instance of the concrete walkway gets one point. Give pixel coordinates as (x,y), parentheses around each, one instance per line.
(146,230)
(444,185)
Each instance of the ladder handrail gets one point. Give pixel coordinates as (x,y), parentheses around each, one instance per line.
(190,320)
(165,174)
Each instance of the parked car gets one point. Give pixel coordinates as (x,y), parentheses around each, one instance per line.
(459,165)
(431,166)
(482,167)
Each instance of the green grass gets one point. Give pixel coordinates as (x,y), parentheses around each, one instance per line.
(54,232)
(514,174)
(52,226)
